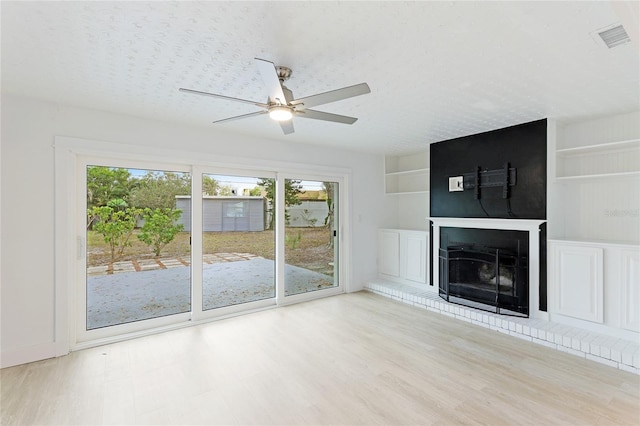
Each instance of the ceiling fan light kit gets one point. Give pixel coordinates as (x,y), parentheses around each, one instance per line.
(281,104)
(280,113)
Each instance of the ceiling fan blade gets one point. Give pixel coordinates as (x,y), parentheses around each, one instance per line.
(332,96)
(287,126)
(213,95)
(238,117)
(270,78)
(319,115)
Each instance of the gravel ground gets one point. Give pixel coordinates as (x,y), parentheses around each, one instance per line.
(133,296)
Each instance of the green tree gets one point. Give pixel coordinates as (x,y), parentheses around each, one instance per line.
(118,204)
(105,184)
(159,228)
(158,190)
(210,186)
(292,190)
(329,188)
(256,191)
(116,226)
(225,190)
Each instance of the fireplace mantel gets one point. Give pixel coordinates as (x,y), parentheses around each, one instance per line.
(528,225)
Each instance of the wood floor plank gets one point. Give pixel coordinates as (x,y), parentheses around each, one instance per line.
(357,359)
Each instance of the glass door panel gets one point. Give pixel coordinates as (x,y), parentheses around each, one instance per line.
(238,240)
(310,241)
(138,251)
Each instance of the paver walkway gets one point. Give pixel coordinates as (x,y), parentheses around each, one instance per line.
(164,263)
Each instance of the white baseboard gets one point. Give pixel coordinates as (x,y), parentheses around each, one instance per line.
(418,285)
(25,354)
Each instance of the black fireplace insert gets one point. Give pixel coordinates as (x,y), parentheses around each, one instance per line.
(485,269)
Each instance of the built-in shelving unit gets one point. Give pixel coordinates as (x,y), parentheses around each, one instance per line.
(595,184)
(407,174)
(605,160)
(406,182)
(594,239)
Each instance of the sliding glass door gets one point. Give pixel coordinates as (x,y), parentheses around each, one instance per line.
(238,240)
(138,253)
(311,241)
(160,244)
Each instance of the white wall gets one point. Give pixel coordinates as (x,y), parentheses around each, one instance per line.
(412,212)
(27,208)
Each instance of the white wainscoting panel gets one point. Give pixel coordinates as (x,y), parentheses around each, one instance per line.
(414,250)
(389,249)
(579,282)
(403,255)
(630,282)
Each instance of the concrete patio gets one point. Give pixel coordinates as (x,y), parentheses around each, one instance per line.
(128,293)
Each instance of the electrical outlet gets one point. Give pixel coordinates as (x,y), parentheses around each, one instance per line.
(456,183)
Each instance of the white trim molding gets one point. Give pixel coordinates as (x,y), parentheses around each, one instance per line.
(630,294)
(27,354)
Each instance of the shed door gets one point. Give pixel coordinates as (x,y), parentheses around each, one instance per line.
(235,216)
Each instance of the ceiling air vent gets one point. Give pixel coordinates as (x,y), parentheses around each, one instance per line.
(614,36)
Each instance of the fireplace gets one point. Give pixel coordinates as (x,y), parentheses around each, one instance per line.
(485,269)
(467,252)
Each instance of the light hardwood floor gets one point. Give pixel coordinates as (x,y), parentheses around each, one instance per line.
(351,359)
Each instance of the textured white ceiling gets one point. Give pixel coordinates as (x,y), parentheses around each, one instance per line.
(437,70)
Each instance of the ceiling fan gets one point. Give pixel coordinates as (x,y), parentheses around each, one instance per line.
(281,106)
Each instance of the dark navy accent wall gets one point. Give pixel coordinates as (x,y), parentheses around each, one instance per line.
(523,146)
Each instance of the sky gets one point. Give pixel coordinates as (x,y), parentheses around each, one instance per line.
(236,182)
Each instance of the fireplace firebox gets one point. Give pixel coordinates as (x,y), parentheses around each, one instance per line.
(486,269)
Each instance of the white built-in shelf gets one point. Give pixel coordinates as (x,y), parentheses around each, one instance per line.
(606,160)
(596,181)
(408,193)
(409,181)
(407,174)
(406,163)
(599,176)
(600,148)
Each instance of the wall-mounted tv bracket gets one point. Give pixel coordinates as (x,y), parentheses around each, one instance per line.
(504,177)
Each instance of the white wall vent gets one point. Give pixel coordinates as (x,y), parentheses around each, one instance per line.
(613,36)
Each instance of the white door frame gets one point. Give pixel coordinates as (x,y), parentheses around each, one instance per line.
(69,243)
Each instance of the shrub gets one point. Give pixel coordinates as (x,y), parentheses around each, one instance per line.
(115,226)
(292,241)
(159,228)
